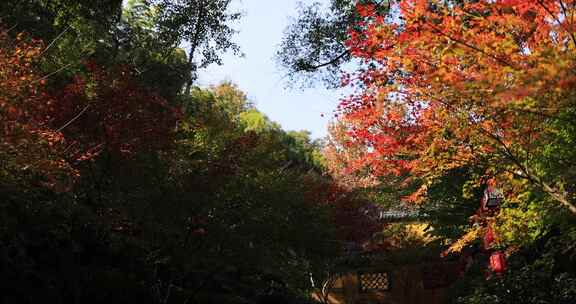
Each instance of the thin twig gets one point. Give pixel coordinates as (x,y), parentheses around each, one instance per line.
(73,119)
(533,178)
(501,60)
(557,20)
(571,20)
(55,39)
(54,73)
(333,61)
(11,28)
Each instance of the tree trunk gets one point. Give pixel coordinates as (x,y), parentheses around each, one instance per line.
(194,44)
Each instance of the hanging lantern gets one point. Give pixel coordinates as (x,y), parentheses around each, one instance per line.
(498,262)
(488,238)
(492,198)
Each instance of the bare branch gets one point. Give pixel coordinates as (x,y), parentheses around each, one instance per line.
(74,118)
(55,39)
(309,68)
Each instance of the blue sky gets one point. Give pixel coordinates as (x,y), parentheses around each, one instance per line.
(261,30)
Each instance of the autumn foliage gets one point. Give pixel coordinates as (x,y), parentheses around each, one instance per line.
(122,181)
(106,110)
(467,84)
(29,146)
(52,130)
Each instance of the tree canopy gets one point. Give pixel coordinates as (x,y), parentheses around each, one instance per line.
(122,181)
(453,98)
(314,46)
(119,184)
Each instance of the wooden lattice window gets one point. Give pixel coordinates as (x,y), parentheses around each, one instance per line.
(374,281)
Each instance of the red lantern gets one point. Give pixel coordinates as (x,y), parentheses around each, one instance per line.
(488,238)
(498,262)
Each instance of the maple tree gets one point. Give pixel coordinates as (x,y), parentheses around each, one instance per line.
(29,146)
(487,84)
(103,110)
(108,110)
(452,97)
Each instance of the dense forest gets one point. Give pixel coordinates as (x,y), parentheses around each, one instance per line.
(123,181)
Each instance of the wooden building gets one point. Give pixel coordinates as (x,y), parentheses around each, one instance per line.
(378,280)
